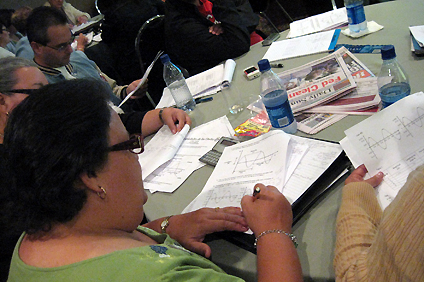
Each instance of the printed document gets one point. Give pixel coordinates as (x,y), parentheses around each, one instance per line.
(205,83)
(292,166)
(301,46)
(391,141)
(325,21)
(199,140)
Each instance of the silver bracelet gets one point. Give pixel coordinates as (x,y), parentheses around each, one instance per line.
(279,231)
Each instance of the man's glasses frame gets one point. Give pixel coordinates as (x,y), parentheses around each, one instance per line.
(62,46)
(135,145)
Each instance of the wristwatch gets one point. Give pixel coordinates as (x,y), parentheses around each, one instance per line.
(165,224)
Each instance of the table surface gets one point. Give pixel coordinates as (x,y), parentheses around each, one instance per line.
(316,229)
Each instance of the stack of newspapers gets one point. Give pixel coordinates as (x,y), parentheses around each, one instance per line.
(328,89)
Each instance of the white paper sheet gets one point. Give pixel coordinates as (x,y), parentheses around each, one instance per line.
(243,165)
(300,46)
(391,141)
(161,148)
(205,83)
(321,22)
(197,142)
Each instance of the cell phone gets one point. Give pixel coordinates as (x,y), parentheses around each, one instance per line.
(251,72)
(271,38)
(212,157)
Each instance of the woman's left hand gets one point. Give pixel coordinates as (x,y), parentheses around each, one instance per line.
(191,228)
(175,119)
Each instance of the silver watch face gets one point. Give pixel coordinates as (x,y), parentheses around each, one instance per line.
(164,223)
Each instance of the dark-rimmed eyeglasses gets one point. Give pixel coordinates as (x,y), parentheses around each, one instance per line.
(63,46)
(134,145)
(21,91)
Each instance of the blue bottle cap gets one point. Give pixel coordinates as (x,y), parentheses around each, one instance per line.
(388,52)
(165,58)
(264,65)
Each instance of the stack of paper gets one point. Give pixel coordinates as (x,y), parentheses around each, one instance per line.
(417,38)
(389,141)
(205,83)
(306,45)
(169,159)
(292,167)
(325,21)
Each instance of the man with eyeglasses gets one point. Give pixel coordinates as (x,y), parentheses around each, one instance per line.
(50,39)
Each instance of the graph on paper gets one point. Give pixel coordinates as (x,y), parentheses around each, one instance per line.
(391,141)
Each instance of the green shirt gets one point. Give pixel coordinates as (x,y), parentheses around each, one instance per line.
(166,261)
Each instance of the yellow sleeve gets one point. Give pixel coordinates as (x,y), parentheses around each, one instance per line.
(375,246)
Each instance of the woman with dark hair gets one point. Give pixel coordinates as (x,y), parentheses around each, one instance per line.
(78,194)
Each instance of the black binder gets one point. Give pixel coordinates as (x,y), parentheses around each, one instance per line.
(323,184)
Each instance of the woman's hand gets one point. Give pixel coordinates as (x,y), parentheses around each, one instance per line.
(191,228)
(175,119)
(268,210)
(358,176)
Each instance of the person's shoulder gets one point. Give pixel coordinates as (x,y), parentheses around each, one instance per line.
(5,53)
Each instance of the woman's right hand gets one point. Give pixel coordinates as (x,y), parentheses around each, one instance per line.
(268,210)
(358,176)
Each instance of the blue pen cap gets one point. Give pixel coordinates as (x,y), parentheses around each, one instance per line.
(165,58)
(388,52)
(264,65)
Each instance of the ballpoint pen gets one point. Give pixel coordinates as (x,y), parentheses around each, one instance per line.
(256,192)
(203,100)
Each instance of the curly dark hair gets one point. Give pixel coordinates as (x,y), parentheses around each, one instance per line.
(51,138)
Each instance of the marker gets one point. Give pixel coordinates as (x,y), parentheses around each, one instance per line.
(203,100)
(256,192)
(279,65)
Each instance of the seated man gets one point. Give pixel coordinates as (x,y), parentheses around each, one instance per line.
(191,39)
(50,38)
(73,15)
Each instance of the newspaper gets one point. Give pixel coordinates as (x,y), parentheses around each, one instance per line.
(314,123)
(318,82)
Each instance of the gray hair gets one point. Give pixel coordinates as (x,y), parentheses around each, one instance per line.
(8,67)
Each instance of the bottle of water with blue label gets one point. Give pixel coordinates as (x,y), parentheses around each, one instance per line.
(355,15)
(176,83)
(392,81)
(274,96)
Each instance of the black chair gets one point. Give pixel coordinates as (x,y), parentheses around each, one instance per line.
(149,41)
(259,7)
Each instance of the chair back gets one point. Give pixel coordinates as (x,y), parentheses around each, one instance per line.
(150,40)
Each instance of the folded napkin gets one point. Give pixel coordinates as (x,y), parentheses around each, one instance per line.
(372,26)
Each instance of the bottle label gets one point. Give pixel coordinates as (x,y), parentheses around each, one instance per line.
(355,14)
(280,113)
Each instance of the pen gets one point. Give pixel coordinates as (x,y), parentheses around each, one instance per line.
(279,65)
(203,100)
(256,191)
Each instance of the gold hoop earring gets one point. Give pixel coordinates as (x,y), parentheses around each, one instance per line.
(102,195)
(7,114)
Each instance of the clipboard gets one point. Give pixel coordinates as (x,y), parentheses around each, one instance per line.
(322,185)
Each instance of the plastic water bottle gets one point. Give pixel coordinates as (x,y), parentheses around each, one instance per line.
(274,96)
(392,81)
(176,83)
(355,15)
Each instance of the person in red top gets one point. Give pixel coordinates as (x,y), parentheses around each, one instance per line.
(205,9)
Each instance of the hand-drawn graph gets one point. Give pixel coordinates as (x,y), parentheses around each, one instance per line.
(251,159)
(403,128)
